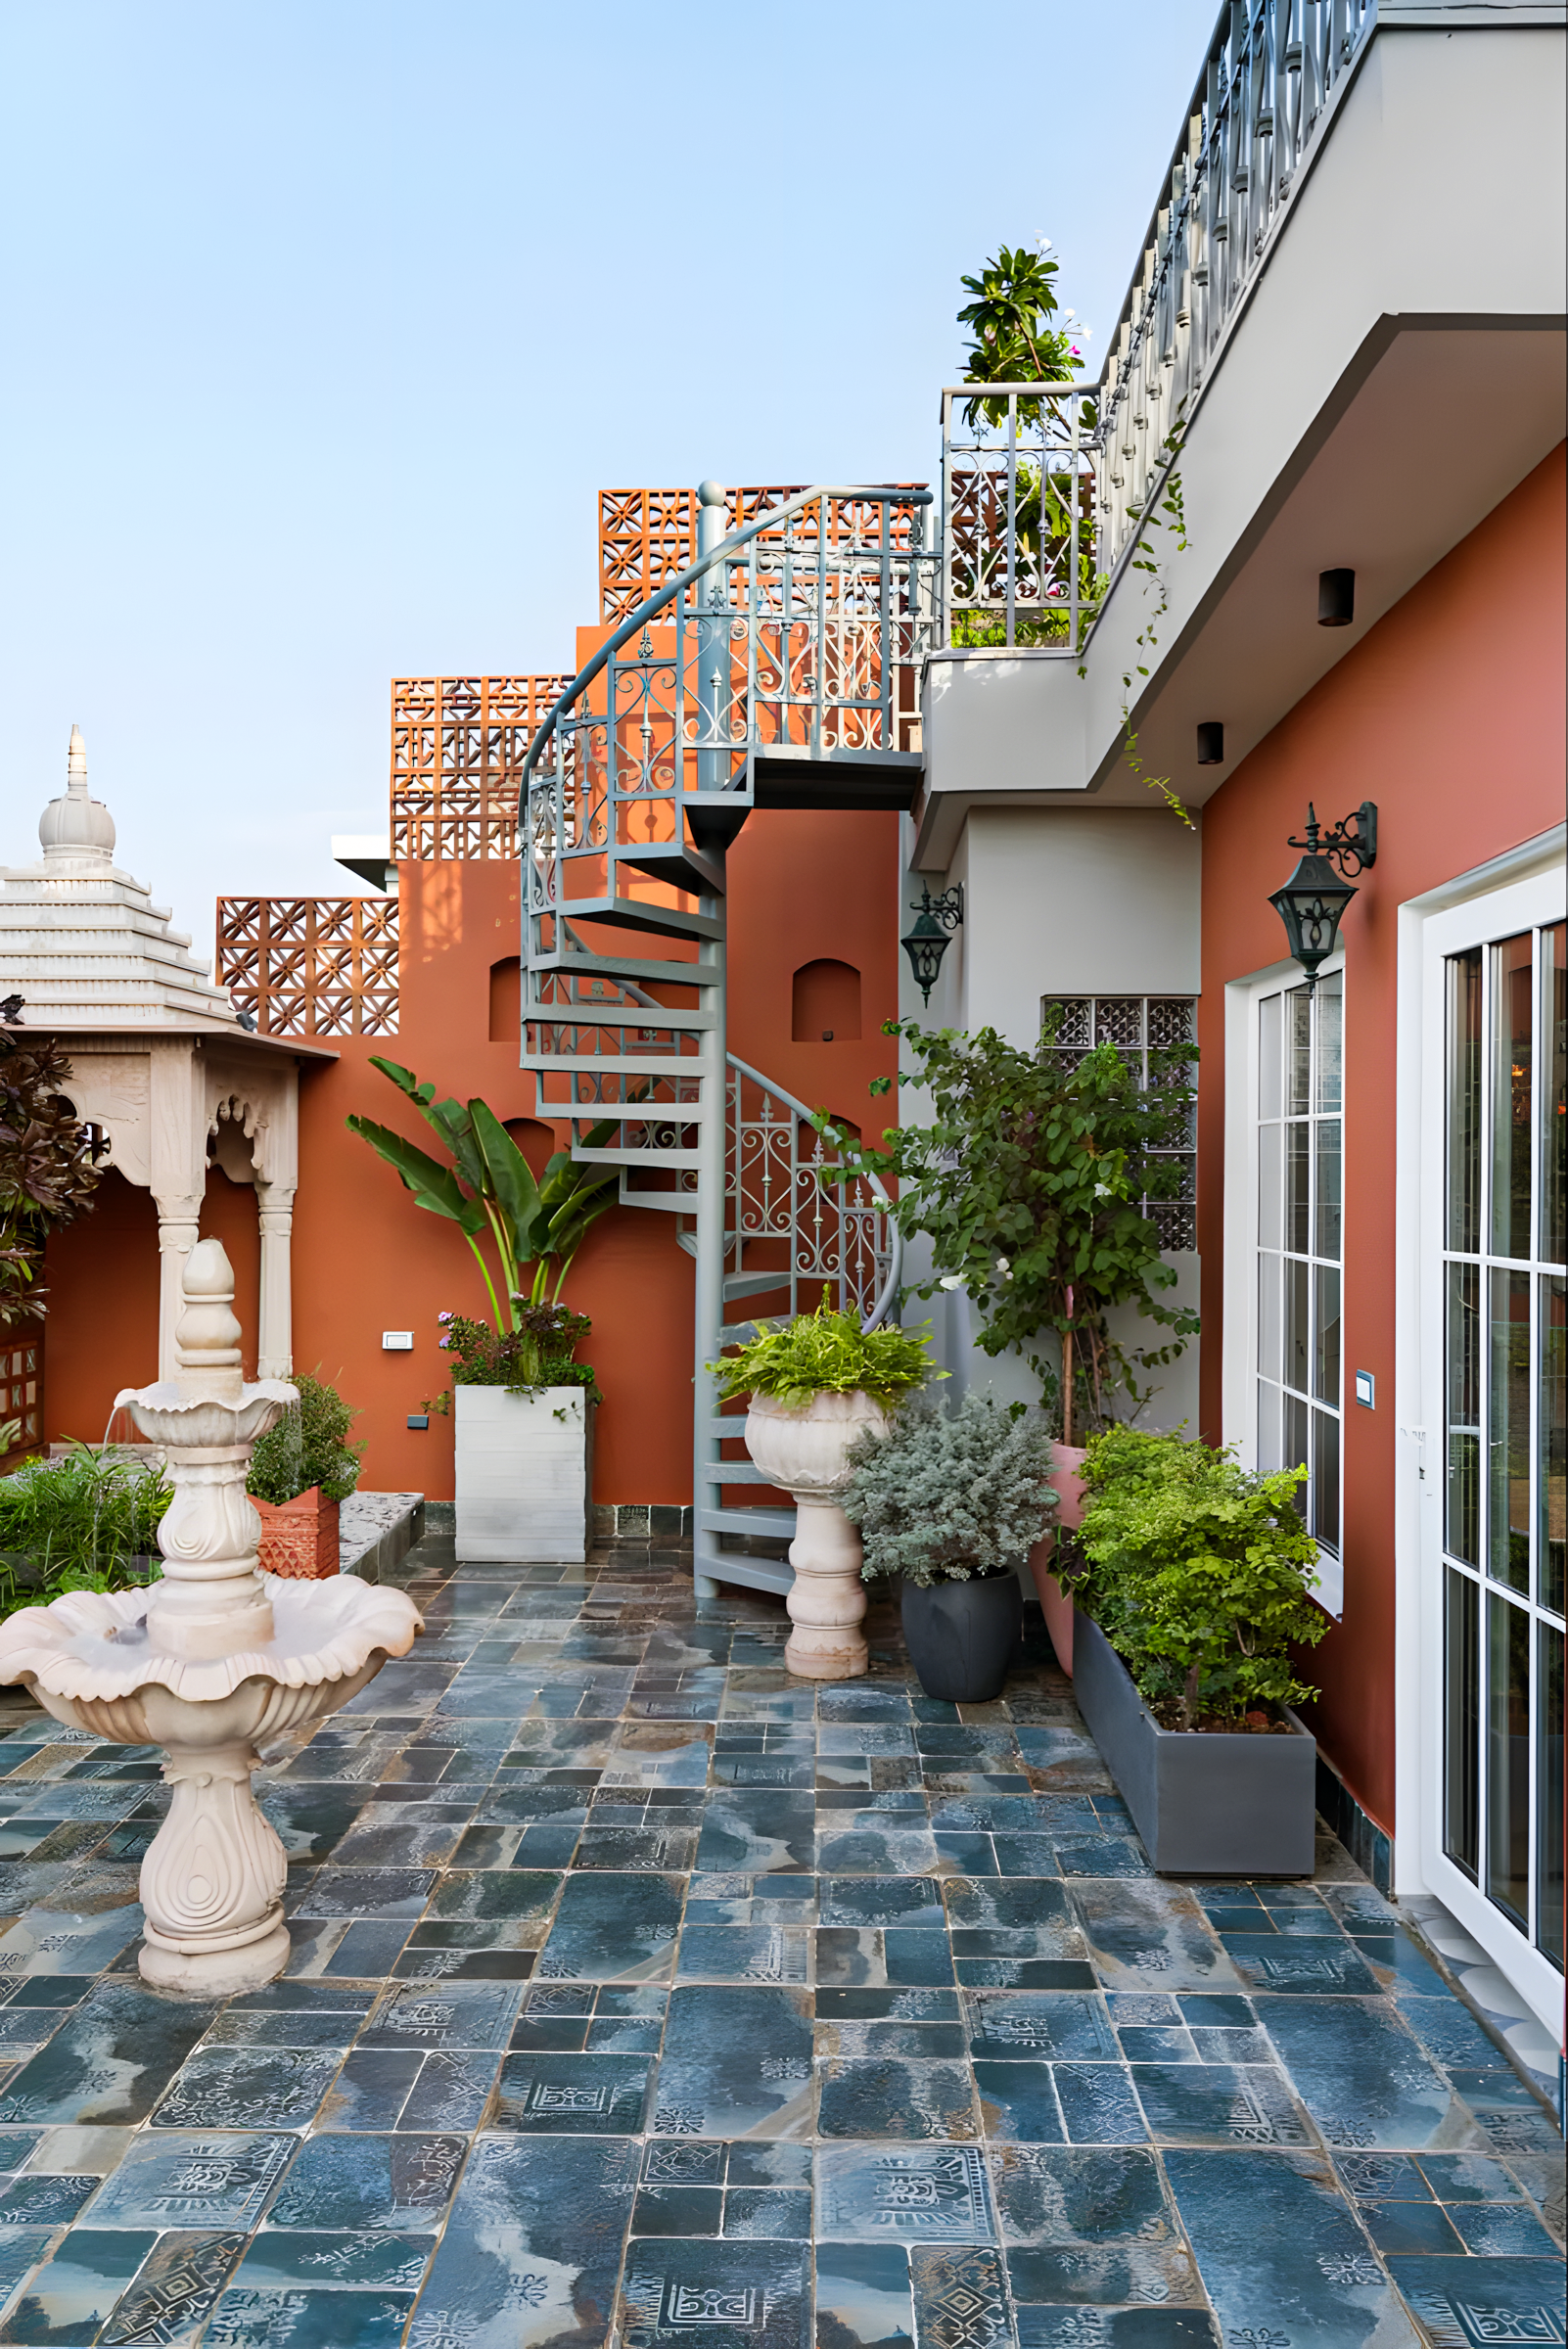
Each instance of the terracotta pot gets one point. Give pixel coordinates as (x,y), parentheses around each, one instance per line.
(1066,1461)
(299,1537)
(804,1454)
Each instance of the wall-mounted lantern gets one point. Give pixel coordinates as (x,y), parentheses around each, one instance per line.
(1211,742)
(926,941)
(1315,898)
(1336,598)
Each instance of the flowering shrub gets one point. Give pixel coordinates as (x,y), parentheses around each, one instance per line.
(538,1352)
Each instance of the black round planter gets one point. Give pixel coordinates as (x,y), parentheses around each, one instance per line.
(962,1636)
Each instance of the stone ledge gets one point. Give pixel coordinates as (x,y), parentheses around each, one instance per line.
(376,1531)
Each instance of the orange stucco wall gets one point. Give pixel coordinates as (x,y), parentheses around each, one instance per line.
(1449,716)
(367,1260)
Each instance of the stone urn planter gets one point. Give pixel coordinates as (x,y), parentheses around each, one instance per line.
(962,1636)
(299,1537)
(1206,1803)
(803,1453)
(1067,1459)
(525,1473)
(208,1661)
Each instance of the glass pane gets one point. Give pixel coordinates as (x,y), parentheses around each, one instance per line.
(1463,1531)
(1270,1454)
(1298,1336)
(1330,1034)
(1549,1793)
(1270,1361)
(1328,1182)
(1461,1721)
(1464,1101)
(1271,1176)
(1295,1447)
(1508,1434)
(1297,1168)
(1512,987)
(1325,1479)
(1269,1050)
(1325,1333)
(1297,1052)
(1555,1142)
(1508,1757)
(1552,1436)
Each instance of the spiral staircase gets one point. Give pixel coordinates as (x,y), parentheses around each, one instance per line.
(778,669)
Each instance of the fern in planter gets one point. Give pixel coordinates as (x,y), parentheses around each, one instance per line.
(1199,1574)
(826,1353)
(949,1495)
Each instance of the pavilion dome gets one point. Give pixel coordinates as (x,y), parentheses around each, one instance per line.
(82,942)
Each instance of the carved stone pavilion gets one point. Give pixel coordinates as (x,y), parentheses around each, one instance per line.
(160,1060)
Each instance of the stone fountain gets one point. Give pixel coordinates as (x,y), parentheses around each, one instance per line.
(210,1660)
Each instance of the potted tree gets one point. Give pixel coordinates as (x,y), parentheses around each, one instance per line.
(953,1501)
(815,1384)
(299,1471)
(1028,1184)
(1195,1583)
(523,1408)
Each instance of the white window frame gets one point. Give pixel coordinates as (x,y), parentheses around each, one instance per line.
(1521,892)
(1238,1408)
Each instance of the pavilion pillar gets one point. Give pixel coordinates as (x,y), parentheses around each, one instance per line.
(275,1333)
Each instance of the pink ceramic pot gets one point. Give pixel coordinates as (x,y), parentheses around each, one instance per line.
(1066,1461)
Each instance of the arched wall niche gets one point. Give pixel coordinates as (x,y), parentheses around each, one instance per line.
(825,1004)
(506,1000)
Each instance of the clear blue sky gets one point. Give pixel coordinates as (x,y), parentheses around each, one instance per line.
(325,321)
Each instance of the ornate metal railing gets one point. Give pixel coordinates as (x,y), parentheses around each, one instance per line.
(457,749)
(782,1204)
(310,966)
(1273,69)
(1019,542)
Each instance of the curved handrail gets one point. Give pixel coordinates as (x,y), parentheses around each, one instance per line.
(889,1287)
(682,579)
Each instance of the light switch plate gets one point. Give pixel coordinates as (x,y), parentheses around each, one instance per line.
(396,1341)
(1367,1390)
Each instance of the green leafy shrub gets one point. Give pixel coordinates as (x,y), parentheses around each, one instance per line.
(307,1448)
(826,1353)
(538,1352)
(1027,1181)
(950,1495)
(86,1522)
(1198,1571)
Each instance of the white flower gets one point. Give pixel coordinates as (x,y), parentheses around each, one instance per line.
(951,1280)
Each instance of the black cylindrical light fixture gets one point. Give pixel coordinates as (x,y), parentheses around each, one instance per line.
(1211,742)
(1336,598)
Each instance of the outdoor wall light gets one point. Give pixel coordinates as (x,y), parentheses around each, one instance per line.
(1315,898)
(1211,742)
(928,941)
(1336,598)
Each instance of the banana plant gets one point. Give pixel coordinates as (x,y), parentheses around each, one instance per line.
(489,1190)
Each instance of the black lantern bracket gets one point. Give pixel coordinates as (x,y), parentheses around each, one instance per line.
(1354,837)
(928,941)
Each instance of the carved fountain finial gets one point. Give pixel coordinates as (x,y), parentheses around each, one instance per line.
(207,1336)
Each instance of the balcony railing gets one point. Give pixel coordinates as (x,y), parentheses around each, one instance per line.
(310,966)
(1018,517)
(1274,68)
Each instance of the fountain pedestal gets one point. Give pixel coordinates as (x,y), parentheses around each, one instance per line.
(210,1661)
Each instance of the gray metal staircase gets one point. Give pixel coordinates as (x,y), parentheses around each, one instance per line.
(778,669)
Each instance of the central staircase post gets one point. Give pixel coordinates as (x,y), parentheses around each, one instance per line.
(712,775)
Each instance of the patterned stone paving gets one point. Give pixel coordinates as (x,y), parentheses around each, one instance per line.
(639,1989)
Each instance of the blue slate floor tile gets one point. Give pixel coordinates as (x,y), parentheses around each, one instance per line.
(565,1975)
(1483,2299)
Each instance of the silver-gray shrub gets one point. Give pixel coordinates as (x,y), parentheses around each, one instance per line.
(949,1494)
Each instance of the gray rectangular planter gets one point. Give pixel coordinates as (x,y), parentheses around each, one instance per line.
(1204,1804)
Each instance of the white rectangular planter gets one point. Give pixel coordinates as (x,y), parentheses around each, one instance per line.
(525,1474)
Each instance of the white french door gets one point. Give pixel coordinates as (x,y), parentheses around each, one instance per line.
(1493,1353)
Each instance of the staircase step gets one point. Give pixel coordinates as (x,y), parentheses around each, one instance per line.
(715,1565)
(637,913)
(622,968)
(592,1013)
(739,1472)
(679,862)
(636,1064)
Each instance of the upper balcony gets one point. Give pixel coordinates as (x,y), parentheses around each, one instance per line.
(1342,347)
